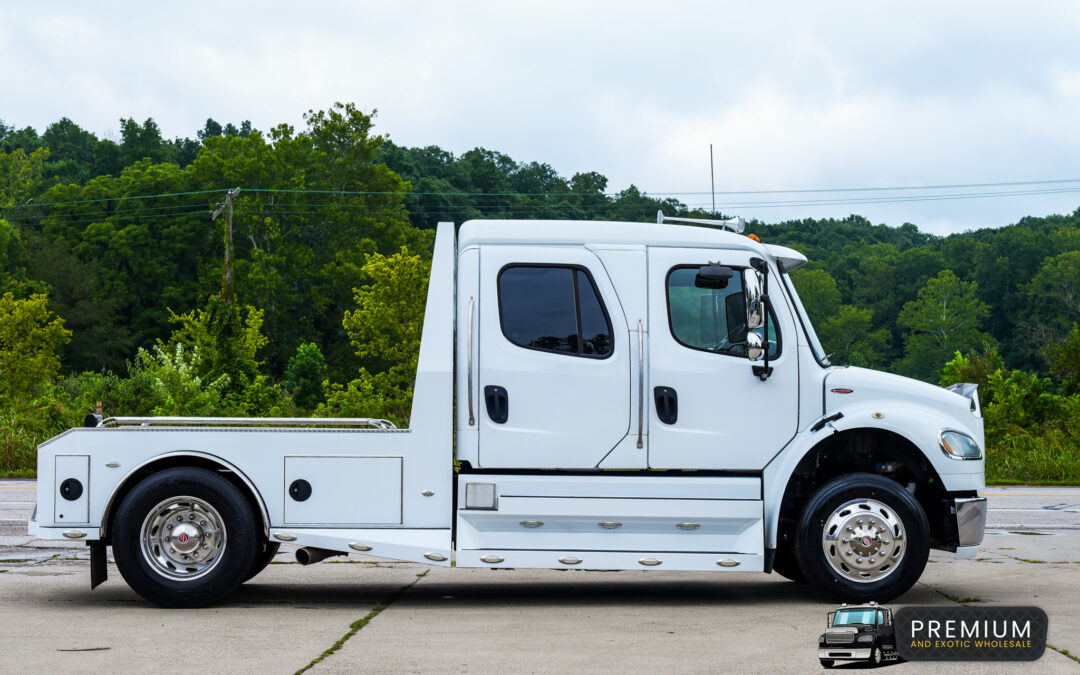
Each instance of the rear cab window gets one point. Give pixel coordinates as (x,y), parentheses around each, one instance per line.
(554,308)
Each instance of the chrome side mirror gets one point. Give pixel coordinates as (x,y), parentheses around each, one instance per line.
(754,349)
(755,305)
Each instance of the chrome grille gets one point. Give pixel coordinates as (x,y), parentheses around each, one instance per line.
(839,638)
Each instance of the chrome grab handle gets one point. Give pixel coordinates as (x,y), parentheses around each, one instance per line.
(641,384)
(468,359)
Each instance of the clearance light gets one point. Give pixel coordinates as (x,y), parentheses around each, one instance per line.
(754,237)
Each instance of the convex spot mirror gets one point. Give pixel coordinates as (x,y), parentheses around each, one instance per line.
(713,275)
(754,349)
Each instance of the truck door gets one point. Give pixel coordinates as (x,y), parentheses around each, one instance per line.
(708,409)
(554,359)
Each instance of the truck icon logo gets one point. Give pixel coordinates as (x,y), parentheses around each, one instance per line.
(858,633)
(183,538)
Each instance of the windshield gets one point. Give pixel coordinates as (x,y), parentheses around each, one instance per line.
(847,617)
(815,344)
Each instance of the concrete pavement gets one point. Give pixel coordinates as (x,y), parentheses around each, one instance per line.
(464,620)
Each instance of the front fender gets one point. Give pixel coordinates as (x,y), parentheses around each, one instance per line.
(919,424)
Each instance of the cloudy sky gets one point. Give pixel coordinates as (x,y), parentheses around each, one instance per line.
(796,95)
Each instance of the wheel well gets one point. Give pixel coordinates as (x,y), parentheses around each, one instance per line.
(181,460)
(876,451)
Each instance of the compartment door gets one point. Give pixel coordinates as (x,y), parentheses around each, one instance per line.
(354,491)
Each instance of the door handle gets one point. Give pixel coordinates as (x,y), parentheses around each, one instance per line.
(498,403)
(667,404)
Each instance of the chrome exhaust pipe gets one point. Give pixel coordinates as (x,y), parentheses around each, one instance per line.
(309,554)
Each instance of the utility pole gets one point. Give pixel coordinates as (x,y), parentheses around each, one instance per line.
(226,271)
(712,180)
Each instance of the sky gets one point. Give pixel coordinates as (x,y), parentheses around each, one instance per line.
(792,95)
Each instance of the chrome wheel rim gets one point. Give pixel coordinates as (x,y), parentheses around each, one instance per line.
(864,540)
(183,538)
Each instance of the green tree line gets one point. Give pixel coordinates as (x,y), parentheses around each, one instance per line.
(111,279)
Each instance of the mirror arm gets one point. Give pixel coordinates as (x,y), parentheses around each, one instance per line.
(763,371)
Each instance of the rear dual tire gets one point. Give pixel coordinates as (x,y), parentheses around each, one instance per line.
(185,537)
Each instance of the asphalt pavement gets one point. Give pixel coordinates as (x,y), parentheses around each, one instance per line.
(360,614)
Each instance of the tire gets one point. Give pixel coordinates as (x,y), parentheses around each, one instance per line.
(787,566)
(212,554)
(882,529)
(263,558)
(826,663)
(876,657)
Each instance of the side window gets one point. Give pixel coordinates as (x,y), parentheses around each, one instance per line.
(711,319)
(553,309)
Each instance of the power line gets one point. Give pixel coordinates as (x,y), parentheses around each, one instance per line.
(656,194)
(32,204)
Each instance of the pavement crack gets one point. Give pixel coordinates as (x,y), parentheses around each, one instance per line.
(355,627)
(1064,652)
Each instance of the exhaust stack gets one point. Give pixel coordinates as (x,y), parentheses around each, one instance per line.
(309,554)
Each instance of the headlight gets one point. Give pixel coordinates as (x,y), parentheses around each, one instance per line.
(821,638)
(866,638)
(959,446)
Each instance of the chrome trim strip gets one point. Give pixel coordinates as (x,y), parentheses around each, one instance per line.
(641,384)
(468,360)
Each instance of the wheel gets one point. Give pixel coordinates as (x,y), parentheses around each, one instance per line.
(787,566)
(826,663)
(876,657)
(862,537)
(263,558)
(185,537)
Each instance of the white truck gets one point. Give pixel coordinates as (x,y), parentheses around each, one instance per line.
(619,396)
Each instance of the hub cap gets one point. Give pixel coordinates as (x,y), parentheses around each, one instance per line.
(864,540)
(183,538)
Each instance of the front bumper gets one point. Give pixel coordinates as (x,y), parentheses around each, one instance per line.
(840,653)
(970,525)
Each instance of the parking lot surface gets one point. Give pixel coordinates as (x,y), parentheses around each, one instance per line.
(360,614)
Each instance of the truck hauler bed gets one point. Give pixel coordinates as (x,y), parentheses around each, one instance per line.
(623,396)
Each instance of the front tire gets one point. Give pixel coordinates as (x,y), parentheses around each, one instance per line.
(185,537)
(862,537)
(876,657)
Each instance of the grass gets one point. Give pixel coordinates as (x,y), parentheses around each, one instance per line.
(1049,457)
(355,627)
(962,601)
(1064,652)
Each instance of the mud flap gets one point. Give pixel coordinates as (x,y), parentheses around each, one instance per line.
(99,569)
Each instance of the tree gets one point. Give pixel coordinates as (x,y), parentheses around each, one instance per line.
(818,292)
(851,339)
(305,375)
(944,319)
(31,338)
(385,329)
